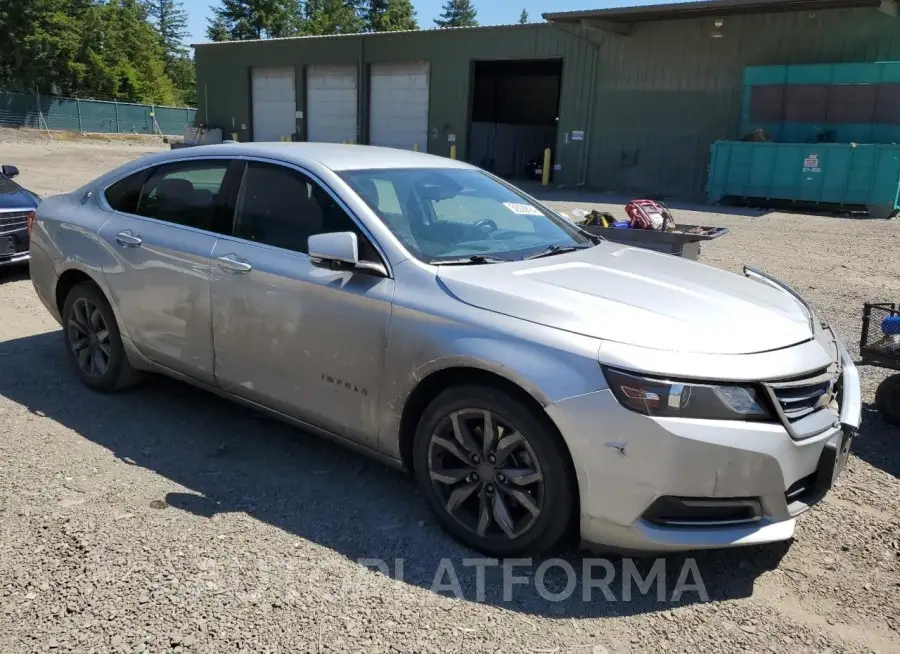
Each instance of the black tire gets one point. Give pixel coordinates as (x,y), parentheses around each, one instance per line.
(555,498)
(118,373)
(887,399)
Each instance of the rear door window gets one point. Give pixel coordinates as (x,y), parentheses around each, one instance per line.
(188,193)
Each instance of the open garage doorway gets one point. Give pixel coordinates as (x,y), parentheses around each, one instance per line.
(514,115)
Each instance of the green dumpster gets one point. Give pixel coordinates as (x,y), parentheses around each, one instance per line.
(823,103)
(836,175)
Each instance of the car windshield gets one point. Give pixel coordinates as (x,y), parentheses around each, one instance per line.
(459,215)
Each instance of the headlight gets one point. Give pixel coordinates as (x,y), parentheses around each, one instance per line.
(673,399)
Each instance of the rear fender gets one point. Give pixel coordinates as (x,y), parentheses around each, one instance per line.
(67,232)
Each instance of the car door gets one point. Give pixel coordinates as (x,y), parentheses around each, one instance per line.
(161,237)
(300,338)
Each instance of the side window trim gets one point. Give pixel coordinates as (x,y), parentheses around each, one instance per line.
(231,186)
(101,198)
(145,172)
(101,190)
(147,176)
(315,179)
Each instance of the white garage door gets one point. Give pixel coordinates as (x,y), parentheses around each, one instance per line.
(331,102)
(274,103)
(399,105)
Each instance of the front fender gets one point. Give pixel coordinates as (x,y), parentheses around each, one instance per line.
(548,364)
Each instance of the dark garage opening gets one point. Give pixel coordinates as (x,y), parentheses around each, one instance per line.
(515,114)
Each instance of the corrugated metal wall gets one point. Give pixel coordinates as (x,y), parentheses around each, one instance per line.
(223,73)
(661,95)
(669,90)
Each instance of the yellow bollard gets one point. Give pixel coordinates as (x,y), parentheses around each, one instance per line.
(545,180)
(453,151)
(415,147)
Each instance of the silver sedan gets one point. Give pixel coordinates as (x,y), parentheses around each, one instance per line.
(538,381)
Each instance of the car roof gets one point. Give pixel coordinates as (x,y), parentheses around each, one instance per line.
(335,156)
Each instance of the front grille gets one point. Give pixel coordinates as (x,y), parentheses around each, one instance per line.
(13,220)
(799,398)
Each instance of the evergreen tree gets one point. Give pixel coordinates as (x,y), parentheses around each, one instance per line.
(390,16)
(523,18)
(311,7)
(83,47)
(183,74)
(457,13)
(333,17)
(253,19)
(170,20)
(124,59)
(40,39)
(217,30)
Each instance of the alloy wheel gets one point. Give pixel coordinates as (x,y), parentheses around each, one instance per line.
(89,338)
(486,474)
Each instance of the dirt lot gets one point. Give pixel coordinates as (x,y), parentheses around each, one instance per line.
(166,519)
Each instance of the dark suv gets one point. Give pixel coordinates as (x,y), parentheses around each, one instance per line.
(17,207)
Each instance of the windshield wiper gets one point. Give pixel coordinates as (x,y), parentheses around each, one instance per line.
(464,261)
(554,249)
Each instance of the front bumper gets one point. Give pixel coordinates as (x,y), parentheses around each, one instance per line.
(626,461)
(13,247)
(15,259)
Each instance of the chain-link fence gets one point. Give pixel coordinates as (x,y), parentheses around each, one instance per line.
(75,115)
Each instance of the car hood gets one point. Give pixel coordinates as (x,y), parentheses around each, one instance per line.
(638,297)
(13,196)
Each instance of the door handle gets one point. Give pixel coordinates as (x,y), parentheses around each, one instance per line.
(235,264)
(128,239)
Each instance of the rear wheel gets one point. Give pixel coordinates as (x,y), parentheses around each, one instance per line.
(494,472)
(93,340)
(887,399)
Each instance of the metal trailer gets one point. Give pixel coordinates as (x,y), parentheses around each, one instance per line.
(683,242)
(880,346)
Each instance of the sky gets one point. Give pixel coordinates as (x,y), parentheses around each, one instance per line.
(490,12)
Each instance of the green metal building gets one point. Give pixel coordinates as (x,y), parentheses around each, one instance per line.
(627,99)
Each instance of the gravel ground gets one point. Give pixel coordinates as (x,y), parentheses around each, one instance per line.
(169,520)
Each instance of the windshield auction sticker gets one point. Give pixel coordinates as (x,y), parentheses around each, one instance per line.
(522,209)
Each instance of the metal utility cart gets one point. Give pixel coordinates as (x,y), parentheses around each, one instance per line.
(879,345)
(683,242)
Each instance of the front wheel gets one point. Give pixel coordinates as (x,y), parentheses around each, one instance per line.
(494,472)
(887,400)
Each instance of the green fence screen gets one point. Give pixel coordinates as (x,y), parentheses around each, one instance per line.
(75,115)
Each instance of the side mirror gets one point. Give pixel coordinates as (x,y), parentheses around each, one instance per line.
(341,250)
(334,247)
(9,171)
